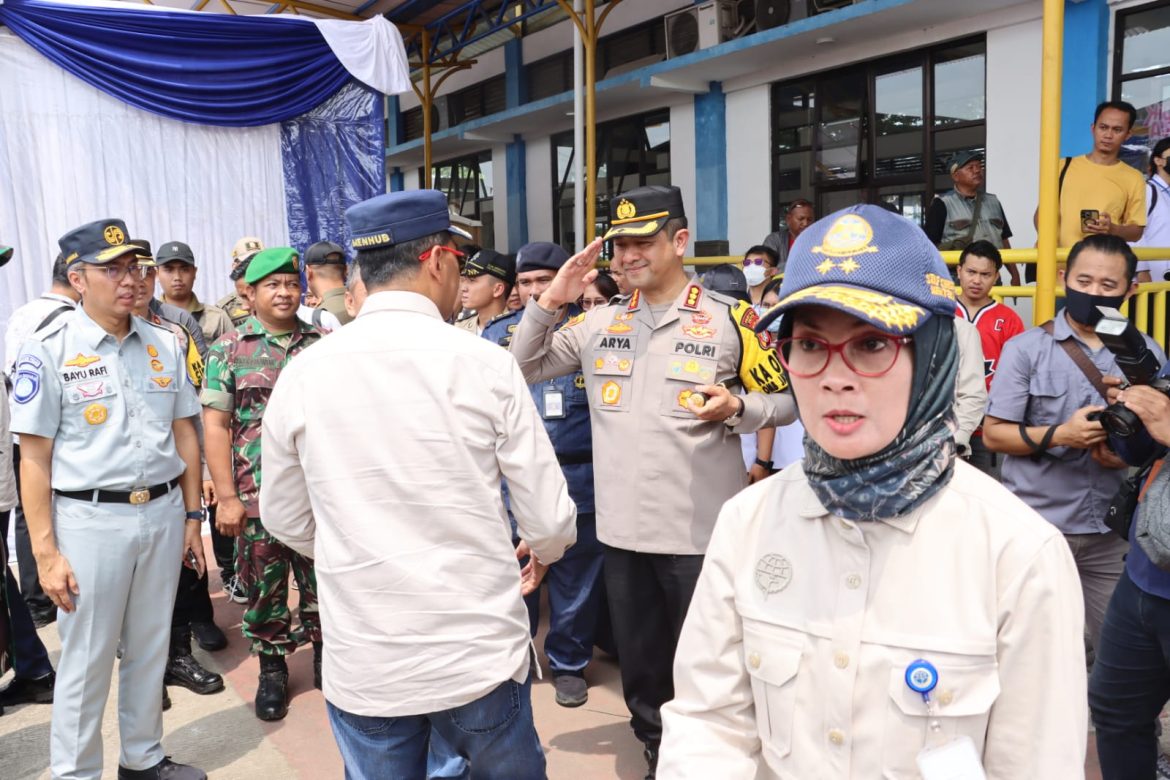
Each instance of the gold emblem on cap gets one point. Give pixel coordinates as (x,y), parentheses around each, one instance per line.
(850,235)
(626,210)
(898,317)
(114,235)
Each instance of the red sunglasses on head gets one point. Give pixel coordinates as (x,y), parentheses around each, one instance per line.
(427,254)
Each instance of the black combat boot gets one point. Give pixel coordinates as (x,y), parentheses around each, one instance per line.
(184,670)
(272,695)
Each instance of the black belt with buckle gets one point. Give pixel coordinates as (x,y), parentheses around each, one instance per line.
(137,496)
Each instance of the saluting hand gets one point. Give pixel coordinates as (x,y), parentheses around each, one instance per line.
(57,581)
(575,275)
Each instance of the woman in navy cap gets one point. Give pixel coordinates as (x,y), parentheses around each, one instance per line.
(880,609)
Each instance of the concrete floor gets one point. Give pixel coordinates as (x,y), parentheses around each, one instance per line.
(220,734)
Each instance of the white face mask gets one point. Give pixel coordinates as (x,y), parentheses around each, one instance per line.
(754,275)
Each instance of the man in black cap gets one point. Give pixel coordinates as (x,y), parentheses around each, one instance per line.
(575,591)
(176,276)
(487,281)
(110,462)
(729,280)
(325,273)
(657,373)
(968,213)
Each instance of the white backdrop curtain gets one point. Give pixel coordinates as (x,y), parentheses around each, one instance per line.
(70,154)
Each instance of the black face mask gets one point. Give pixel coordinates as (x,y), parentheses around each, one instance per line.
(1082,307)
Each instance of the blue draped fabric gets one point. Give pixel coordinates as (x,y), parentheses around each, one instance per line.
(333,158)
(213,69)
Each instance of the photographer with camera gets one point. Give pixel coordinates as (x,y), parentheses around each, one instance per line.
(1130,683)
(1043,414)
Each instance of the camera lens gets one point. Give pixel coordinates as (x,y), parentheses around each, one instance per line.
(1120,421)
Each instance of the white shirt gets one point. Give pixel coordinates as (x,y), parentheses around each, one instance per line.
(383,449)
(329,321)
(1157,232)
(25,320)
(793,655)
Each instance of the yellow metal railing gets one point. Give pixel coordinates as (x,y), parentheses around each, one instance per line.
(1149,301)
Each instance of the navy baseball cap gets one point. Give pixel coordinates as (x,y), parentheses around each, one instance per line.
(398,217)
(959,159)
(865,261)
(541,255)
(492,263)
(97,242)
(729,280)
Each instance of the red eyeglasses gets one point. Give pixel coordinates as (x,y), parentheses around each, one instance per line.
(869,355)
(427,254)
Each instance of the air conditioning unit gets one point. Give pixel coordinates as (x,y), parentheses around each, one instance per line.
(700,27)
(820,6)
(774,13)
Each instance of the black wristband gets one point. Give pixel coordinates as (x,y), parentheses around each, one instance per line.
(764,464)
(1038,449)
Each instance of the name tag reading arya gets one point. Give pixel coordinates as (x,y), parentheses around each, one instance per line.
(955,760)
(554,403)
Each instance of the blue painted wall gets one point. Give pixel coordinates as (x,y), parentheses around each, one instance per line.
(1086,64)
(515,85)
(710,224)
(516,194)
(397,180)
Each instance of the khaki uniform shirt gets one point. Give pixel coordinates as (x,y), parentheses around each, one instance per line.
(213,321)
(793,656)
(333,301)
(235,309)
(661,473)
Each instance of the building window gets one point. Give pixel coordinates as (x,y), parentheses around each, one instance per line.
(631,152)
(878,131)
(478,100)
(631,47)
(467,183)
(1141,73)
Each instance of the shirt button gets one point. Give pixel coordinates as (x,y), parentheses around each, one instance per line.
(130,413)
(946,697)
(137,444)
(836,736)
(853,581)
(841,660)
(754,660)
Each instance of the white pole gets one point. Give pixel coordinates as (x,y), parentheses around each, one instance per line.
(578,132)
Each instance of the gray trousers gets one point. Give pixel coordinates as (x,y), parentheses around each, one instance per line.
(126,561)
(1100,559)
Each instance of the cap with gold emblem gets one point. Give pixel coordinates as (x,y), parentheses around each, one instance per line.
(277,260)
(97,242)
(865,261)
(644,211)
(244,250)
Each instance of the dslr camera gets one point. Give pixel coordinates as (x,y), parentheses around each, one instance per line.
(1138,364)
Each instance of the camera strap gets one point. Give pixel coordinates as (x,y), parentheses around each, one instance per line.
(1091,372)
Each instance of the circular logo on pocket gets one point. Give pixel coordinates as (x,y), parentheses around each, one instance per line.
(773,573)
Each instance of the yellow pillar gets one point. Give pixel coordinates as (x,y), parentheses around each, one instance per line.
(1050,84)
(589,43)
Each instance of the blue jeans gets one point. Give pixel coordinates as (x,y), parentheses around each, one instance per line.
(494,733)
(1130,682)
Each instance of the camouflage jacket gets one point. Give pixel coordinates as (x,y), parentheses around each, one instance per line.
(242,368)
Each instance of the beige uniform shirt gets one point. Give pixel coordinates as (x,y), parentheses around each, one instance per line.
(333,301)
(661,473)
(970,384)
(793,656)
(213,321)
(383,450)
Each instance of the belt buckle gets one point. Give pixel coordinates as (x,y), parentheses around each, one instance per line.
(139,496)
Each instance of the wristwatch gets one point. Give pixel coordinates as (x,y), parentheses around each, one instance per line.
(195,516)
(736,418)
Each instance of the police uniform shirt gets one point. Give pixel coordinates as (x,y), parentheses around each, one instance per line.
(107,405)
(661,472)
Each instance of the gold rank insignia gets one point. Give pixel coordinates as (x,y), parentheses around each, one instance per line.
(699,332)
(161,381)
(157,365)
(850,235)
(611,393)
(618,327)
(626,210)
(151,350)
(81,361)
(96,414)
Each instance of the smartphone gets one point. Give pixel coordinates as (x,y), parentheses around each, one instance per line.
(192,561)
(1089,215)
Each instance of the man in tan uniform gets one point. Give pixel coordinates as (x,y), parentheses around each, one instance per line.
(235,304)
(657,370)
(325,274)
(176,277)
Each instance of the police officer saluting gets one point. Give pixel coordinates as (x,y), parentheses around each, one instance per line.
(109,464)
(667,455)
(574,584)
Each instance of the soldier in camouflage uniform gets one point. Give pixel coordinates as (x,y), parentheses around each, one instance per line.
(242,368)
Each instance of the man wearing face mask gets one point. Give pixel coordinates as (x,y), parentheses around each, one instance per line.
(1041,416)
(759,268)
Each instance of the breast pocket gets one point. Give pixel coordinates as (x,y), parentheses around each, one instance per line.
(683,375)
(252,393)
(772,667)
(962,699)
(1049,402)
(159,394)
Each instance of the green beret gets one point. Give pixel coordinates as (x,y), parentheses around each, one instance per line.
(277,260)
